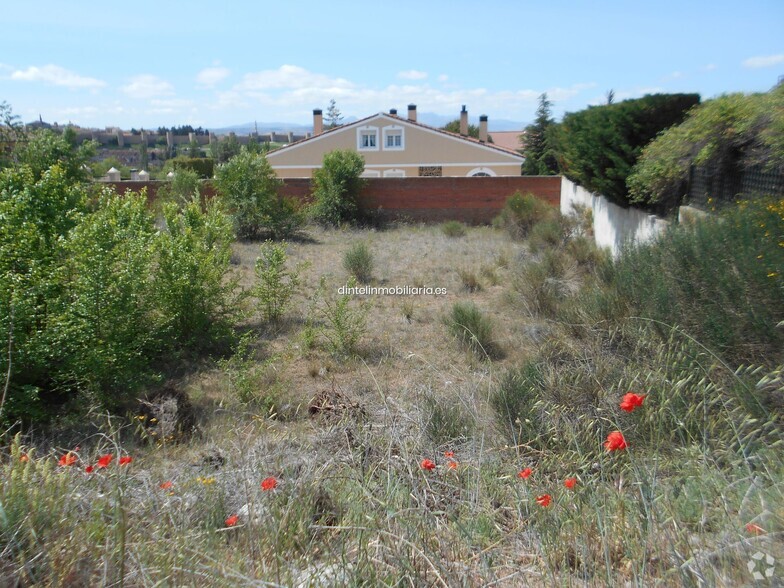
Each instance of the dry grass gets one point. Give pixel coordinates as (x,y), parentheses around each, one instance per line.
(345,438)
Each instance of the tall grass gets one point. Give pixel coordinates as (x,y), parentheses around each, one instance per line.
(721,280)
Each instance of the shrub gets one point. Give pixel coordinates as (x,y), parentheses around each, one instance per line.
(337,184)
(522,212)
(248,186)
(344,322)
(720,280)
(447,422)
(472,329)
(469,280)
(542,284)
(274,284)
(453,228)
(193,258)
(358,261)
(183,187)
(514,403)
(202,166)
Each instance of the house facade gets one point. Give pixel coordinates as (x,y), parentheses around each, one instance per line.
(393,146)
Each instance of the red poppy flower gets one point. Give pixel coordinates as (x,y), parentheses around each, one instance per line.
(544,500)
(89,469)
(452,465)
(449,454)
(232,520)
(615,441)
(166,485)
(23,458)
(67,459)
(427,465)
(269,483)
(105,460)
(754,529)
(125,460)
(631,401)
(525,474)
(570,483)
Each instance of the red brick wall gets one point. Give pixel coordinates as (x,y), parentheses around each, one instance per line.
(471,200)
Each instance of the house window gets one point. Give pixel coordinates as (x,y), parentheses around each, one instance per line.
(430,171)
(367,139)
(371,173)
(394,173)
(481,172)
(393,139)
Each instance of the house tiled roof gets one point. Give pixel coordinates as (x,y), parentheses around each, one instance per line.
(508,139)
(359,122)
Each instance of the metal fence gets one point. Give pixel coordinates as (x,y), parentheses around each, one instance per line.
(712,185)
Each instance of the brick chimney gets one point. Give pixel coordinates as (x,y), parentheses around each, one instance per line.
(464,122)
(412,112)
(483,128)
(318,122)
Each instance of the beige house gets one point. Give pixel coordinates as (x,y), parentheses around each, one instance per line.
(399,147)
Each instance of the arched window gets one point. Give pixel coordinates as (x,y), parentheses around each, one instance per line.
(479,172)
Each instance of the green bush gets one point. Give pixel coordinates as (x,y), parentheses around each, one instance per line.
(453,228)
(358,261)
(472,329)
(191,285)
(93,297)
(336,187)
(183,187)
(204,167)
(522,212)
(275,285)
(344,322)
(248,186)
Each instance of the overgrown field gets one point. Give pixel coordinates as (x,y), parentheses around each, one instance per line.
(555,418)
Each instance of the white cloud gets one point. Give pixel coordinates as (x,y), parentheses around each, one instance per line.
(56,76)
(147,86)
(412,74)
(211,76)
(443,78)
(764,61)
(290,77)
(710,67)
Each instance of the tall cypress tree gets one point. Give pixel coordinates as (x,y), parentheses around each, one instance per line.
(539,154)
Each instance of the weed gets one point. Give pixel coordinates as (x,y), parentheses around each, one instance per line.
(453,228)
(358,262)
(472,329)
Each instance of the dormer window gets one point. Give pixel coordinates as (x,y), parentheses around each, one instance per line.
(367,139)
(393,138)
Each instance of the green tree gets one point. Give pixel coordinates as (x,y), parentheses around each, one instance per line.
(226,148)
(597,147)
(337,184)
(453,126)
(144,157)
(194,150)
(248,186)
(334,116)
(540,158)
(11,132)
(44,148)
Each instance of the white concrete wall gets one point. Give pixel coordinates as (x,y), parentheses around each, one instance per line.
(613,225)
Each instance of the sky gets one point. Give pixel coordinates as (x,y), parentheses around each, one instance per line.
(146,64)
